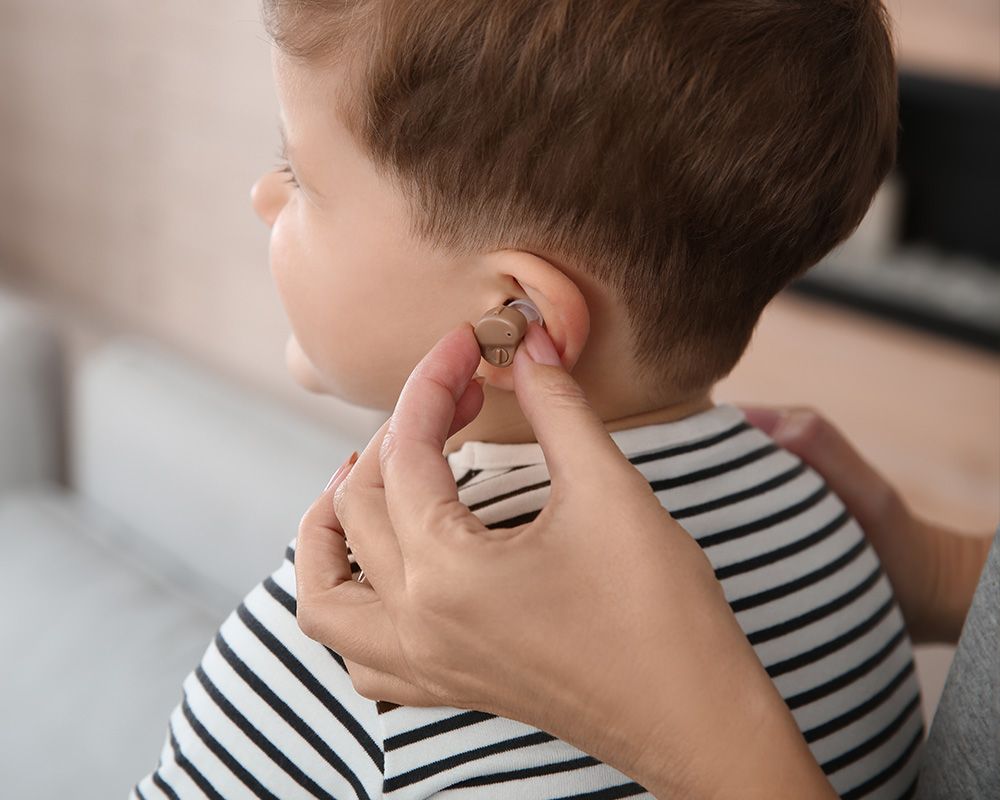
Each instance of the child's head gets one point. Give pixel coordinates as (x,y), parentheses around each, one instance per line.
(655,169)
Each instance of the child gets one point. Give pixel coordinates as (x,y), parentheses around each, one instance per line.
(649,173)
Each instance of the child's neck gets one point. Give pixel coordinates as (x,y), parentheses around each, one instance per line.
(501,420)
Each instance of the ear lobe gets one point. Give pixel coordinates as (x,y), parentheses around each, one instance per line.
(555,295)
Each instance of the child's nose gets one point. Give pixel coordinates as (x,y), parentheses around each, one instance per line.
(267,196)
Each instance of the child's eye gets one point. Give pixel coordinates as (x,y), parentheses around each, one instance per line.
(285,167)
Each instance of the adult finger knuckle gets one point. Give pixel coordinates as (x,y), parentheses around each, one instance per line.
(343,505)
(365,682)
(309,522)
(388,450)
(449,519)
(307,619)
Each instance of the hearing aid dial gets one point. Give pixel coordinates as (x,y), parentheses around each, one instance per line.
(499,332)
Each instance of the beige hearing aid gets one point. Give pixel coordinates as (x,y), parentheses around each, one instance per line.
(501,329)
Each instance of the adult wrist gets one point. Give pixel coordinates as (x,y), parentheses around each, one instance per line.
(915,557)
(753,749)
(743,744)
(959,560)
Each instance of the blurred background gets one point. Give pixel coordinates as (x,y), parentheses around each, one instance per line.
(144,399)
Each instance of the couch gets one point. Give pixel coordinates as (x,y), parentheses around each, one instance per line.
(138,504)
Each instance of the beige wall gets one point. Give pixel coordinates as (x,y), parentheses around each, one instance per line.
(959,38)
(131,135)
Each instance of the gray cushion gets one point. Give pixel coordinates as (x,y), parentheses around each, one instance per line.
(95,648)
(208,472)
(30,395)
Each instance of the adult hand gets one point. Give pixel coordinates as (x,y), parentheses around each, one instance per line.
(933,569)
(616,651)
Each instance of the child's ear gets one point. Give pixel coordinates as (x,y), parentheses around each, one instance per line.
(556,296)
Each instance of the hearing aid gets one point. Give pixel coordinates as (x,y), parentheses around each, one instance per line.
(501,329)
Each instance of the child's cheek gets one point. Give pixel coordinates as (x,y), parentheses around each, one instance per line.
(278,247)
(302,370)
(294,285)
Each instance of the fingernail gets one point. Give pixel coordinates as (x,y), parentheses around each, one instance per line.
(540,347)
(791,425)
(343,469)
(480,379)
(764,418)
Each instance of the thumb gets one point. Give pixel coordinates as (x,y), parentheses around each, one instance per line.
(572,437)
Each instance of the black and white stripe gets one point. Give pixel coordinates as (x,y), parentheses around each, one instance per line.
(269,713)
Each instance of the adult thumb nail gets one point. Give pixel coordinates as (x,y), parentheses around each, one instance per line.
(540,347)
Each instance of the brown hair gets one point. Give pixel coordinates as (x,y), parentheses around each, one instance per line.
(693,155)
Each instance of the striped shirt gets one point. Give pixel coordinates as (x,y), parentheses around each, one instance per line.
(269,713)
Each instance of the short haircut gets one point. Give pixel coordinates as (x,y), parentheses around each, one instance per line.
(692,155)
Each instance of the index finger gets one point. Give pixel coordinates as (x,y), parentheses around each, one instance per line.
(419,485)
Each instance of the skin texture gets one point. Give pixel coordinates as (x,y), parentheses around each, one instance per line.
(366,299)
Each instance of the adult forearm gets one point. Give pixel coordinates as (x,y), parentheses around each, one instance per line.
(747,746)
(729,735)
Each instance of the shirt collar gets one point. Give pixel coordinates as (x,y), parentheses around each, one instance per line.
(631,441)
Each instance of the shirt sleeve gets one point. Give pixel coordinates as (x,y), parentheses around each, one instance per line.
(268,713)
